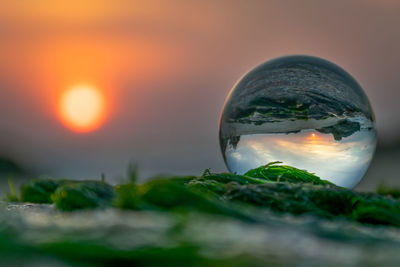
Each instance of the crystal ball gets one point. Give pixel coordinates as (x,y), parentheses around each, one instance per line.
(303,111)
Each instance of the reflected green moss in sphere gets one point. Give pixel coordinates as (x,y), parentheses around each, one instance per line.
(304,111)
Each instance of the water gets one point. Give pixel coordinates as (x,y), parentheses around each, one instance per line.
(303,111)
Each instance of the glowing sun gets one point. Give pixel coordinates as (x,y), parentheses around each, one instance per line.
(82,108)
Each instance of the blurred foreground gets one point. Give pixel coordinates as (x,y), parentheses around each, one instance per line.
(272,215)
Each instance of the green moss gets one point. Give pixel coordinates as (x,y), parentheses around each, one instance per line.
(82,195)
(274,187)
(232,177)
(193,219)
(283,173)
(39,190)
(173,195)
(127,197)
(324,201)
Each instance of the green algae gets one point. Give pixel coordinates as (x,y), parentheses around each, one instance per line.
(192,220)
(83,195)
(283,173)
(39,190)
(274,187)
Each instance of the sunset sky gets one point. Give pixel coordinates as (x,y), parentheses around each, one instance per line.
(163,70)
(342,162)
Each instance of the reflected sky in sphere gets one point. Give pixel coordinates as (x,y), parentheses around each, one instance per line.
(315,152)
(303,111)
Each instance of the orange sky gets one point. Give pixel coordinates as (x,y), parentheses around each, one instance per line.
(165,68)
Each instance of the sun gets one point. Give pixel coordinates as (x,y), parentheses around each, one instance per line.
(313,137)
(82,108)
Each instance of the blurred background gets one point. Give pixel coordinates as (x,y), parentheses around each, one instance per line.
(165,68)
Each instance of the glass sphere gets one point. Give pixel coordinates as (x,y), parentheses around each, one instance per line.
(303,111)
